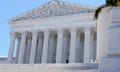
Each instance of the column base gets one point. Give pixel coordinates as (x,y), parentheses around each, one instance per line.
(109,64)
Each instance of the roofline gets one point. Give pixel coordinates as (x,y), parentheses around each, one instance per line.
(23,14)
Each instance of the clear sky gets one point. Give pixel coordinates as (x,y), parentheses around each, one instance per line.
(12,8)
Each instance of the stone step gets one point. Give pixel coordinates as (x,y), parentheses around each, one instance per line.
(49,67)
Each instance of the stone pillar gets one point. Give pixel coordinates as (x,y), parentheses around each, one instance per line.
(78,48)
(18,49)
(45,47)
(59,47)
(11,49)
(87,39)
(22,48)
(92,47)
(66,47)
(51,48)
(33,47)
(39,49)
(27,58)
(82,48)
(73,46)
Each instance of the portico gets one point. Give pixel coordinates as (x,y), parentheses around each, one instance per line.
(52,46)
(55,38)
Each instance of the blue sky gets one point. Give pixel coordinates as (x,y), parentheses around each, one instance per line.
(11,8)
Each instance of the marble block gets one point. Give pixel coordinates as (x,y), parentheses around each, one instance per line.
(109,64)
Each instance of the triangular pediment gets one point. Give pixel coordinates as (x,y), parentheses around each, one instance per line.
(54,8)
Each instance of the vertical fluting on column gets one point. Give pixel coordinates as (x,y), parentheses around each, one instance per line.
(78,47)
(72,58)
(51,48)
(59,49)
(22,48)
(92,47)
(54,50)
(66,47)
(39,49)
(82,47)
(28,49)
(45,47)
(87,38)
(33,47)
(18,49)
(11,49)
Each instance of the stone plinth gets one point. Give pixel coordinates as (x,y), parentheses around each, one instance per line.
(114,33)
(103,23)
(49,68)
(114,40)
(110,62)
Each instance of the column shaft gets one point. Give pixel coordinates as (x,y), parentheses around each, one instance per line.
(92,48)
(22,48)
(33,47)
(78,48)
(59,50)
(66,48)
(11,49)
(73,46)
(17,50)
(39,49)
(45,47)
(29,39)
(82,48)
(87,39)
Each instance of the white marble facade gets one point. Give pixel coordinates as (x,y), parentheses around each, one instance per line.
(57,32)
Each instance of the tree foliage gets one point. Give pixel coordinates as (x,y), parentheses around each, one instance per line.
(108,3)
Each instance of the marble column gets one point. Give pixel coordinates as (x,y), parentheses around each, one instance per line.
(33,47)
(78,48)
(11,49)
(59,50)
(39,49)
(51,48)
(66,47)
(45,47)
(28,50)
(72,58)
(82,48)
(94,47)
(54,50)
(87,38)
(22,48)
(17,50)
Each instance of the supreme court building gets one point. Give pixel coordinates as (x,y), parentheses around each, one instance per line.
(56,32)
